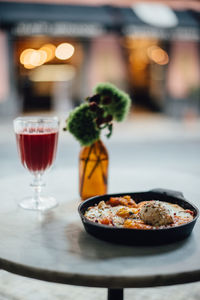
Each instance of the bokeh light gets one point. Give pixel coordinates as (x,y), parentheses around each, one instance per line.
(42,57)
(50,51)
(37,58)
(25,56)
(158,55)
(64,51)
(31,58)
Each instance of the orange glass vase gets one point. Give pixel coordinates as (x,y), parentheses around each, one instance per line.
(93,170)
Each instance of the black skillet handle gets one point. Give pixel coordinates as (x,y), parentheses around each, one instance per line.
(167,192)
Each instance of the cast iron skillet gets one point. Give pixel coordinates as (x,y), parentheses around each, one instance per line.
(140,236)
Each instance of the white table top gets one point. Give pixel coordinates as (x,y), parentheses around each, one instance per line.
(54,246)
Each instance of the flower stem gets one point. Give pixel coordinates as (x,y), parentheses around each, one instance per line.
(98,161)
(85,167)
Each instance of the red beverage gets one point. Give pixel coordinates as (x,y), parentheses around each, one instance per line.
(37,148)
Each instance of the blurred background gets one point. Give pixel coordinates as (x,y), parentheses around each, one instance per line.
(53,53)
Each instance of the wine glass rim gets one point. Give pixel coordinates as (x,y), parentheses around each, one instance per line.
(36,119)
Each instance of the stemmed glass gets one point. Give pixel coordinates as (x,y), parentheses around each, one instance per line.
(37,140)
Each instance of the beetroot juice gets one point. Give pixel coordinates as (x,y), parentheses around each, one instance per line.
(37,149)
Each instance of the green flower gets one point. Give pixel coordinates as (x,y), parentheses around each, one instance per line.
(119,104)
(81,123)
(88,120)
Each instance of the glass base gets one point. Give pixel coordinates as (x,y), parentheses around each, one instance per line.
(45,203)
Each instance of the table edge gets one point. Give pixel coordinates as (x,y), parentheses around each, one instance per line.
(100,281)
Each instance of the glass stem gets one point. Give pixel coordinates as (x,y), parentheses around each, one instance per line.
(37,185)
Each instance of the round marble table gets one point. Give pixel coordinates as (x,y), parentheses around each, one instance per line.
(53,246)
